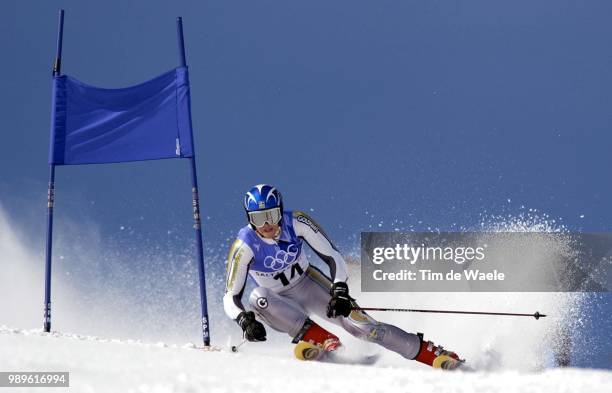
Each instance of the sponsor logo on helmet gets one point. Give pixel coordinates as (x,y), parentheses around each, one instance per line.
(262,302)
(262,204)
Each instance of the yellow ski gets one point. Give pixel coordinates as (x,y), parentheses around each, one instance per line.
(307,351)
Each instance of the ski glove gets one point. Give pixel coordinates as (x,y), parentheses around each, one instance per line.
(340,303)
(252,328)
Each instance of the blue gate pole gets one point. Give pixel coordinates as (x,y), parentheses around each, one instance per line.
(57,64)
(196,206)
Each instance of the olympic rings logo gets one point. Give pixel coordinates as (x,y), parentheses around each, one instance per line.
(282,258)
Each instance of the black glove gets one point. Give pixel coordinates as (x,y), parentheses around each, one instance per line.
(252,328)
(340,303)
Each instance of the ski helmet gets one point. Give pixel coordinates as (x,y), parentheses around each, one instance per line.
(263,203)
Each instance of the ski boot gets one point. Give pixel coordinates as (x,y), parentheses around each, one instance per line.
(437,356)
(314,342)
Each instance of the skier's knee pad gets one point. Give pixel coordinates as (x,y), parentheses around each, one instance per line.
(361,325)
(371,333)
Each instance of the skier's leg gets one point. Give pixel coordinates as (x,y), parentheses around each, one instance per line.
(358,323)
(286,315)
(278,312)
(363,326)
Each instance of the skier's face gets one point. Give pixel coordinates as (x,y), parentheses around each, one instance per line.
(268,231)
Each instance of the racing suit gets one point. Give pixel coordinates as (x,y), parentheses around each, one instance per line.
(290,290)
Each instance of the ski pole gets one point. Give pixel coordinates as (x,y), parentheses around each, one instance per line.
(234,348)
(536,315)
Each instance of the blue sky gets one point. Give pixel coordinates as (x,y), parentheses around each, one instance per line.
(441,110)
(432,113)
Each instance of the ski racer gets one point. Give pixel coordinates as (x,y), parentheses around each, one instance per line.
(290,290)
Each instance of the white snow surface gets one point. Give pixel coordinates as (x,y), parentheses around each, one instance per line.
(511,354)
(107,365)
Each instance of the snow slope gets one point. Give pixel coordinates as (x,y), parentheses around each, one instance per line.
(101,365)
(96,297)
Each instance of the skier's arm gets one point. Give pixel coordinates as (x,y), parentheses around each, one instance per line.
(311,232)
(238,261)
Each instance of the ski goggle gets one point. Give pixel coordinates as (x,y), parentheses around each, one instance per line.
(260,217)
